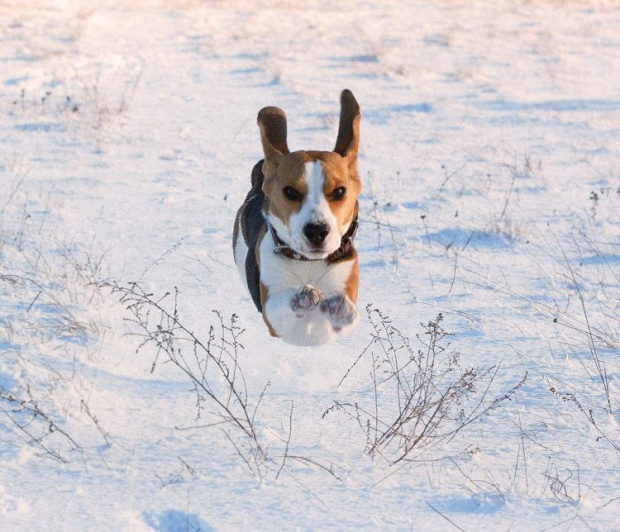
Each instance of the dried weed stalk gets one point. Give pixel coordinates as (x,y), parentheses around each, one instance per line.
(420,397)
(211,364)
(34,425)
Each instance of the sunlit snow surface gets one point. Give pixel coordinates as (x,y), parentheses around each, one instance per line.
(491,193)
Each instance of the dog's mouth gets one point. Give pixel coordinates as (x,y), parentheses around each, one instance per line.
(315,254)
(304,250)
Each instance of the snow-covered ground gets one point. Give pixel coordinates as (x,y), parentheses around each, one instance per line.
(490,162)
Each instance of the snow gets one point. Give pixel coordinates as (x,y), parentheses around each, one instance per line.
(491,193)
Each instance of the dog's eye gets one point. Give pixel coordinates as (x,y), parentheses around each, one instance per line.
(339,193)
(292,194)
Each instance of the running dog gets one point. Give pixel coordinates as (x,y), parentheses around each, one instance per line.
(293,235)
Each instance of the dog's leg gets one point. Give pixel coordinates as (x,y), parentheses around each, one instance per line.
(282,308)
(295,316)
(307,299)
(340,309)
(341,313)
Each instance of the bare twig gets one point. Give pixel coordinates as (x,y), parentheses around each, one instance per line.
(288,441)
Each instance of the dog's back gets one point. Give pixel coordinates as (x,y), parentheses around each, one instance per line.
(250,225)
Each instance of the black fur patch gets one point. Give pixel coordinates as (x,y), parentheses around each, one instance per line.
(252,222)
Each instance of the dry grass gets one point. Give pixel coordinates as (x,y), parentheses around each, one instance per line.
(421,397)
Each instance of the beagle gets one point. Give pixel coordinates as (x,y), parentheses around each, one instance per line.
(293,235)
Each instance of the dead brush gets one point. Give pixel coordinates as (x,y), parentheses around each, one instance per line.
(36,427)
(211,364)
(80,102)
(595,322)
(46,289)
(420,397)
(553,385)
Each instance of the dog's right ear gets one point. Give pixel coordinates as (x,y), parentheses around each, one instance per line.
(272,123)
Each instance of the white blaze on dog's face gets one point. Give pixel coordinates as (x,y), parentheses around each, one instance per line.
(314,227)
(311,195)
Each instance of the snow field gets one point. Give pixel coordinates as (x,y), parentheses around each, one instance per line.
(491,194)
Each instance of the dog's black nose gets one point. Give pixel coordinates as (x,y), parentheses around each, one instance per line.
(316,233)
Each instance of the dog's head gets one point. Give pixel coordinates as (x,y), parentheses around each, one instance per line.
(311,195)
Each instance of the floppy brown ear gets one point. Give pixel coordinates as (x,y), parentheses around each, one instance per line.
(272,123)
(348,139)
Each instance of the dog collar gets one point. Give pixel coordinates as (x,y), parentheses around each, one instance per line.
(345,246)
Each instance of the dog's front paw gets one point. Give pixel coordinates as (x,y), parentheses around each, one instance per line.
(341,311)
(306,299)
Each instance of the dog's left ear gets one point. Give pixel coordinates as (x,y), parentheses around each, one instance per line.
(348,140)
(272,123)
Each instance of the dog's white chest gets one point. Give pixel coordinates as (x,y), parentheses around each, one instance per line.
(279,273)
